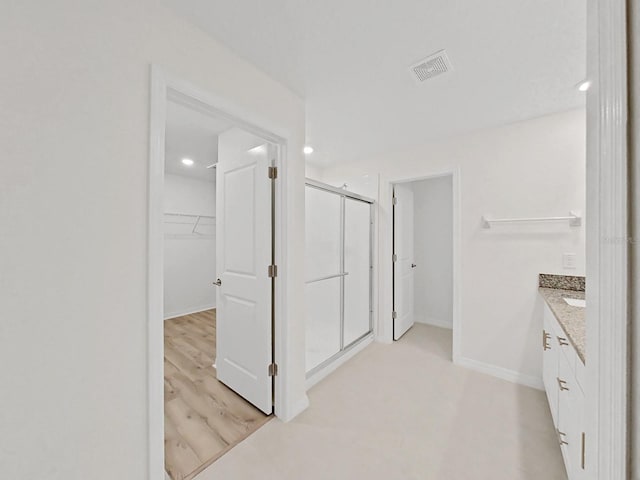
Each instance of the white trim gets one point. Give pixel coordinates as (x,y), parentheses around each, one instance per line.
(375,278)
(457,272)
(341,360)
(384,332)
(189,311)
(503,373)
(607,237)
(164,86)
(295,409)
(434,322)
(155,280)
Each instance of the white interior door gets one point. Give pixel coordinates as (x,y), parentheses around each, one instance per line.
(243,256)
(403,260)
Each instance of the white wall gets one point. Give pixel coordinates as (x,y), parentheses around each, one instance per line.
(74,130)
(530,168)
(433,251)
(189,260)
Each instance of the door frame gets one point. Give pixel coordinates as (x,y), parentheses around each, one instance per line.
(164,88)
(608,359)
(386,320)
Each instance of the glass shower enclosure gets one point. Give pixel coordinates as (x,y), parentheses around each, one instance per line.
(339,267)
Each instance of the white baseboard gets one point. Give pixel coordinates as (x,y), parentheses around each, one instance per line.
(503,373)
(189,311)
(300,406)
(321,374)
(436,322)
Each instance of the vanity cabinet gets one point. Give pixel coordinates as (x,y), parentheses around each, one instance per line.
(563,377)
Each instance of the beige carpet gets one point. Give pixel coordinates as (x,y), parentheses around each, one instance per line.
(403,411)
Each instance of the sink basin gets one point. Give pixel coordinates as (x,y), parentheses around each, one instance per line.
(575,302)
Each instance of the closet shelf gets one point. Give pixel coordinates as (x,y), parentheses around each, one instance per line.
(192,222)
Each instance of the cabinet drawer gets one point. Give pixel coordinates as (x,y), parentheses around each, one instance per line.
(564,378)
(566,429)
(564,345)
(567,384)
(566,351)
(550,352)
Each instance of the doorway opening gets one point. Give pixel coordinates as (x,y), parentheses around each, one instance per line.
(215,296)
(425,239)
(216,302)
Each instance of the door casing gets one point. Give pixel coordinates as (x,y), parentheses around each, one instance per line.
(164,88)
(385,319)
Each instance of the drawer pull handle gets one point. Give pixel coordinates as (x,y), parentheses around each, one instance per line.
(562,384)
(560,437)
(545,340)
(563,341)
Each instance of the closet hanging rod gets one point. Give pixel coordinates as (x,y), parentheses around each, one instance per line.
(188,215)
(574,218)
(202,236)
(328,277)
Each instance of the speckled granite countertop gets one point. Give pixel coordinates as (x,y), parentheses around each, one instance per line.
(571,319)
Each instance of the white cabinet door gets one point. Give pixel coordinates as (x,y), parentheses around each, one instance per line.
(403,260)
(570,415)
(565,394)
(566,419)
(550,362)
(243,255)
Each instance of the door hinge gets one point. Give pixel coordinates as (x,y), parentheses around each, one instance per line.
(272,270)
(394,315)
(273,369)
(395,200)
(395,257)
(273,173)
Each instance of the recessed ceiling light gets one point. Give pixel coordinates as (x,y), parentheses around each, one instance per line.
(187,161)
(308,150)
(584,86)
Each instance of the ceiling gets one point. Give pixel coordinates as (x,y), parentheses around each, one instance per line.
(512,59)
(194,135)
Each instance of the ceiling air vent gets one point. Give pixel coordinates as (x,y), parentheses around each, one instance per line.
(431,66)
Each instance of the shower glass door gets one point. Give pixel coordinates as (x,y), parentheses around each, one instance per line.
(324,275)
(338,269)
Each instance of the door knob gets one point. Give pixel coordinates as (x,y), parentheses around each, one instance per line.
(218,283)
(413,265)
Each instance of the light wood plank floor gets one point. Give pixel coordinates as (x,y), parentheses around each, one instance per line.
(203,418)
